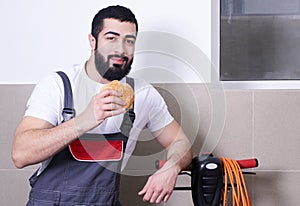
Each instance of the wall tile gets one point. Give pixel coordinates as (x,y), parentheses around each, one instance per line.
(191,105)
(5,153)
(277,188)
(236,141)
(12,109)
(14,187)
(276,129)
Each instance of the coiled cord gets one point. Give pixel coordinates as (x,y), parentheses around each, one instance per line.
(233,173)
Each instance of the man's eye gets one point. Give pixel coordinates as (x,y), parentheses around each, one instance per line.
(111,38)
(130,41)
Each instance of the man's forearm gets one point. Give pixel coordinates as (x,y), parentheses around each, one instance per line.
(179,153)
(35,145)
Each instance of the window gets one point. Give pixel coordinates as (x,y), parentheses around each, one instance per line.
(259,40)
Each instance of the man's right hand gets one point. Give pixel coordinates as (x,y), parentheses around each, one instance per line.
(105,104)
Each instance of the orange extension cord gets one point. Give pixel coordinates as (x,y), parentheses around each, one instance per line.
(233,172)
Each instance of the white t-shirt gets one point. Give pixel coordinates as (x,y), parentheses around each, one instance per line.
(47,101)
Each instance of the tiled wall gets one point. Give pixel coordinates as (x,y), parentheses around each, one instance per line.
(256,123)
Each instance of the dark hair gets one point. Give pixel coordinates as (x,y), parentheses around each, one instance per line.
(118,12)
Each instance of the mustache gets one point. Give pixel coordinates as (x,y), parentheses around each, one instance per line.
(125,58)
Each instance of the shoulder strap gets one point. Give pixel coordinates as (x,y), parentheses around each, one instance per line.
(68,110)
(129,115)
(130,81)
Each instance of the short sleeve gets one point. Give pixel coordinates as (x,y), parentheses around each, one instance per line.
(151,107)
(45,101)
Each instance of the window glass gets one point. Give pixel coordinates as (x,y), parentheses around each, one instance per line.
(259,40)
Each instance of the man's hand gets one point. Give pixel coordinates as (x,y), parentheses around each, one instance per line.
(105,104)
(160,185)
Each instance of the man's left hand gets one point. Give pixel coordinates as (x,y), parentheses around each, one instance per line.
(160,185)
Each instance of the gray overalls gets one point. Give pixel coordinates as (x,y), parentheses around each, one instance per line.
(67,181)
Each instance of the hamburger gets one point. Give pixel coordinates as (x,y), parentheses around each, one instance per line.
(125,89)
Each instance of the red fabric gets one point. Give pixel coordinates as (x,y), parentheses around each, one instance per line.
(90,150)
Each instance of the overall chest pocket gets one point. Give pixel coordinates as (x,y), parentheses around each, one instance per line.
(97,147)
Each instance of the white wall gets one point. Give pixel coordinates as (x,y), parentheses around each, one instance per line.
(38,37)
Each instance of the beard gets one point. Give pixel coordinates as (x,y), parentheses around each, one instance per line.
(114,72)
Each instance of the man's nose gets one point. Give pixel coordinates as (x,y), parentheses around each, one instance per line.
(120,48)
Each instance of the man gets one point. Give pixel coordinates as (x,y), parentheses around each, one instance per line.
(43,136)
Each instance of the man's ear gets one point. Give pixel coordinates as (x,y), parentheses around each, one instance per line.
(92,41)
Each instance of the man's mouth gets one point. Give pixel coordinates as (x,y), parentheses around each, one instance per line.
(118,60)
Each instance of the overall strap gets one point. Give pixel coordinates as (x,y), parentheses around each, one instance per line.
(130,81)
(68,110)
(129,115)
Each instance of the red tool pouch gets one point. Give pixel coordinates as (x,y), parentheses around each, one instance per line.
(95,147)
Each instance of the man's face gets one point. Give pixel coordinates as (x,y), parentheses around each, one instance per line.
(116,45)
